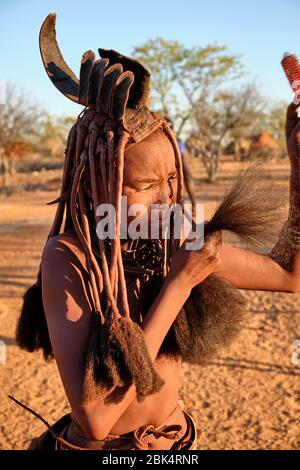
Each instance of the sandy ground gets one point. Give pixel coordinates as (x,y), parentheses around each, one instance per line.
(246,398)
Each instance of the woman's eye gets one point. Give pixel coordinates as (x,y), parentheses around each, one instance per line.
(143,189)
(173,177)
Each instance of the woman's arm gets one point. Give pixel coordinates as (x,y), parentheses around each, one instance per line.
(280,270)
(68,312)
(248,270)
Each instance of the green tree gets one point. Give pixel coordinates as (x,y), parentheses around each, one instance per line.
(182,76)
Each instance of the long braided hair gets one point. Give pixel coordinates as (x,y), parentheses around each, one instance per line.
(114,91)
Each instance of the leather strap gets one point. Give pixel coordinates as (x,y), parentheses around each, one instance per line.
(176,428)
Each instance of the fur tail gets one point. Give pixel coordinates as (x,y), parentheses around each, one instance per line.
(252,208)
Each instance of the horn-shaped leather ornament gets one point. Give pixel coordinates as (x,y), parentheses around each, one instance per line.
(140,90)
(96,82)
(121,94)
(59,73)
(109,83)
(86,69)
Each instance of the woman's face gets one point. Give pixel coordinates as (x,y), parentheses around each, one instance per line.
(150,177)
(150,174)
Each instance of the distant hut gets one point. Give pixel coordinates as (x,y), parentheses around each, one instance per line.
(258,146)
(263,146)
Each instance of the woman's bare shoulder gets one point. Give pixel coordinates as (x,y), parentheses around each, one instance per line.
(64,268)
(65,275)
(63,249)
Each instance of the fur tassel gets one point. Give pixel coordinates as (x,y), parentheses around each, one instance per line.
(117,358)
(210,320)
(252,209)
(32,332)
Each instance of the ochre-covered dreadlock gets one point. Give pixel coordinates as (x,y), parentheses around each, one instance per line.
(114,90)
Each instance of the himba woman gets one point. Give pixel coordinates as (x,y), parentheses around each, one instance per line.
(120,315)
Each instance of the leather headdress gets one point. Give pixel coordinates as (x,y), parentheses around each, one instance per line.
(114,85)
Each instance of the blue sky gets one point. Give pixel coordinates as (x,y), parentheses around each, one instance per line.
(258,30)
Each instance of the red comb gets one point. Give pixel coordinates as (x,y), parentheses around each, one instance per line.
(291,67)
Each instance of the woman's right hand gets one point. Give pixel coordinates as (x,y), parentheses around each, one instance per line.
(190,267)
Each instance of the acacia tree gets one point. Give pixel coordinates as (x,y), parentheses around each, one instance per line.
(182,76)
(19,124)
(188,87)
(229,112)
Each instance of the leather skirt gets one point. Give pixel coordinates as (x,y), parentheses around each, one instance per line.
(177,432)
